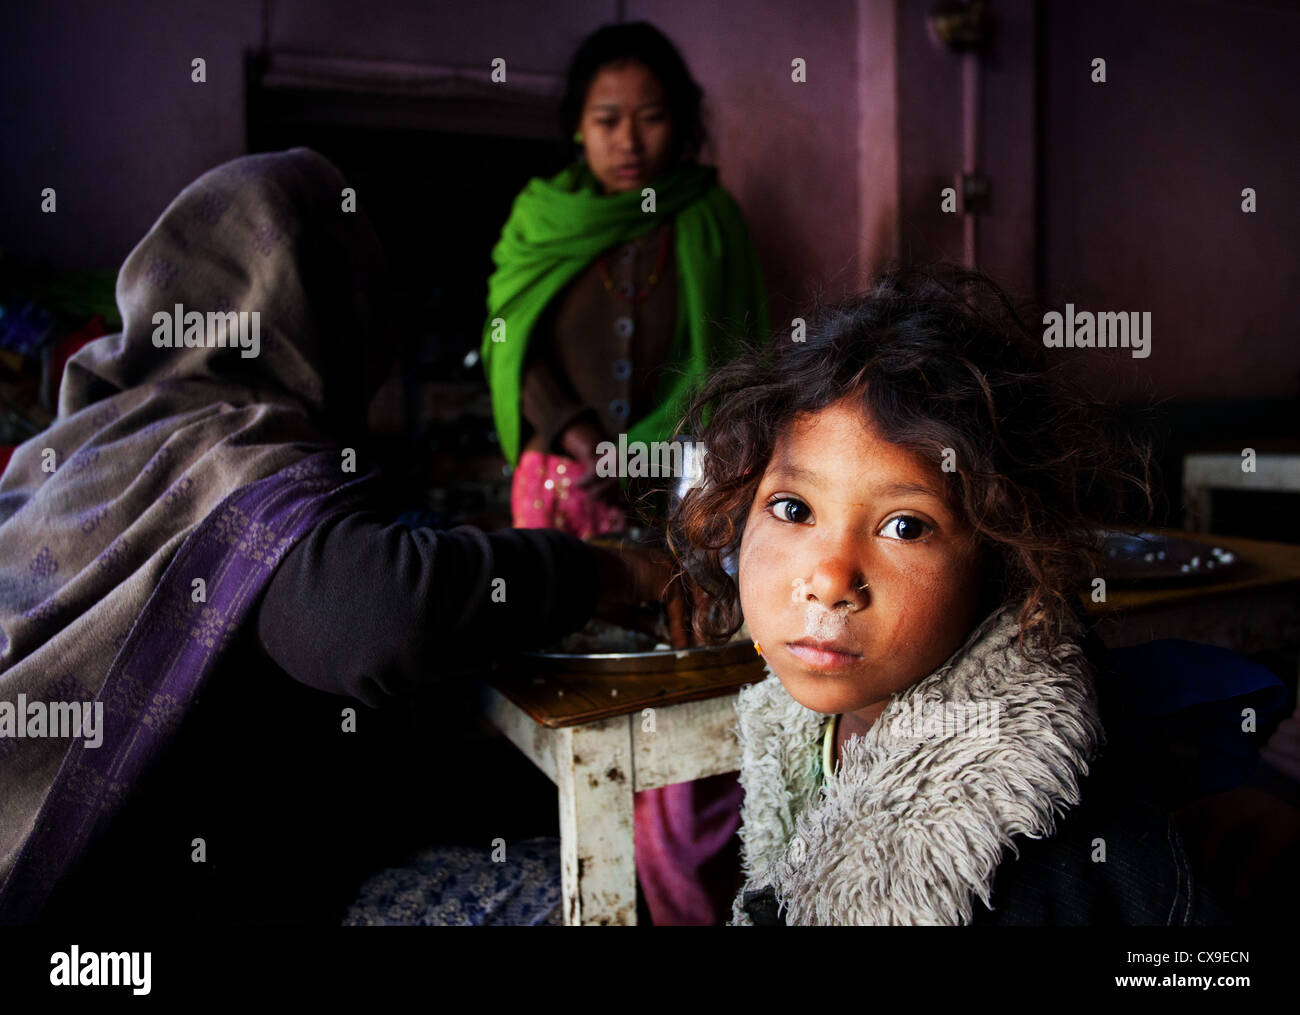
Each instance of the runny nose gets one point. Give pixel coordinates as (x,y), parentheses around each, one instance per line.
(801,592)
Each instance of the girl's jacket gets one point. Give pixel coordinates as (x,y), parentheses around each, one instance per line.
(982,795)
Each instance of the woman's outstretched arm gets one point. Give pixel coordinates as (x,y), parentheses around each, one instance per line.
(375,610)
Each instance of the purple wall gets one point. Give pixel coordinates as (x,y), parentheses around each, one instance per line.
(786,150)
(1142,181)
(1130,202)
(100,106)
(1126,195)
(114,123)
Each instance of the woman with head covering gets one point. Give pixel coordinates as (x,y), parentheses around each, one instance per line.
(194,521)
(617,283)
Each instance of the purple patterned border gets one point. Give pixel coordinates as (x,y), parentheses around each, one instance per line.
(163,663)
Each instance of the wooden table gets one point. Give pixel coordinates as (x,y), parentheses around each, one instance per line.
(601,738)
(1256,610)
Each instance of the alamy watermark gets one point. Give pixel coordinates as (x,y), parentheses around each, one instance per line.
(975,720)
(1104,330)
(182,329)
(75,968)
(57,719)
(655,459)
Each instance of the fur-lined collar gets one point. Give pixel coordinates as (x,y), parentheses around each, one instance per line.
(911,828)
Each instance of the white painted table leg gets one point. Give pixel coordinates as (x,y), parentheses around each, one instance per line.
(597,768)
(595,777)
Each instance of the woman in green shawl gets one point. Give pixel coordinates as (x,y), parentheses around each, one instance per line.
(617,284)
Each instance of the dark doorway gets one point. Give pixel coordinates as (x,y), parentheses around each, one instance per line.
(437,176)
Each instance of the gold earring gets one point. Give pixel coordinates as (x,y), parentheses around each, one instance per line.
(758,648)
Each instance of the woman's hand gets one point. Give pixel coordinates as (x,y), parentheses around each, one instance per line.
(634,582)
(580,440)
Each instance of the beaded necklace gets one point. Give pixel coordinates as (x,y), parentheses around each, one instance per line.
(650,282)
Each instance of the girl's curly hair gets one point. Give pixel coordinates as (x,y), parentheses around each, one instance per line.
(941,359)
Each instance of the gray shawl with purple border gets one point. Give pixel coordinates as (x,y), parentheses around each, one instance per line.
(167,465)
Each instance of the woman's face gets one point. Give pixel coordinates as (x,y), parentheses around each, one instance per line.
(626,127)
(839,507)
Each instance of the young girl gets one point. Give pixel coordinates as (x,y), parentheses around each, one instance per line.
(605,306)
(908,496)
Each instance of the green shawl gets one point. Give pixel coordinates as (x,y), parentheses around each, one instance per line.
(559,226)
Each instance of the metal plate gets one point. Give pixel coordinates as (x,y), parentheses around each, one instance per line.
(700,657)
(1151,557)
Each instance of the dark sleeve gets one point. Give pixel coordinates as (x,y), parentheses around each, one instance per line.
(375,611)
(546,398)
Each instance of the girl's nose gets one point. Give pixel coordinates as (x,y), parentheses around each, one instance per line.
(837,582)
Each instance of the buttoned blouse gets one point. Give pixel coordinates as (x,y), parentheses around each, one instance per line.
(598,351)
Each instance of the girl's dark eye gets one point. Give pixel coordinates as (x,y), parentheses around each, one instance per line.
(906,528)
(607,123)
(788,509)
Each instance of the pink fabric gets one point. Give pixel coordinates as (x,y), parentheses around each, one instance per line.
(561,505)
(687,850)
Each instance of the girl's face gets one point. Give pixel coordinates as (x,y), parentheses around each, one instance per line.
(626,127)
(839,507)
